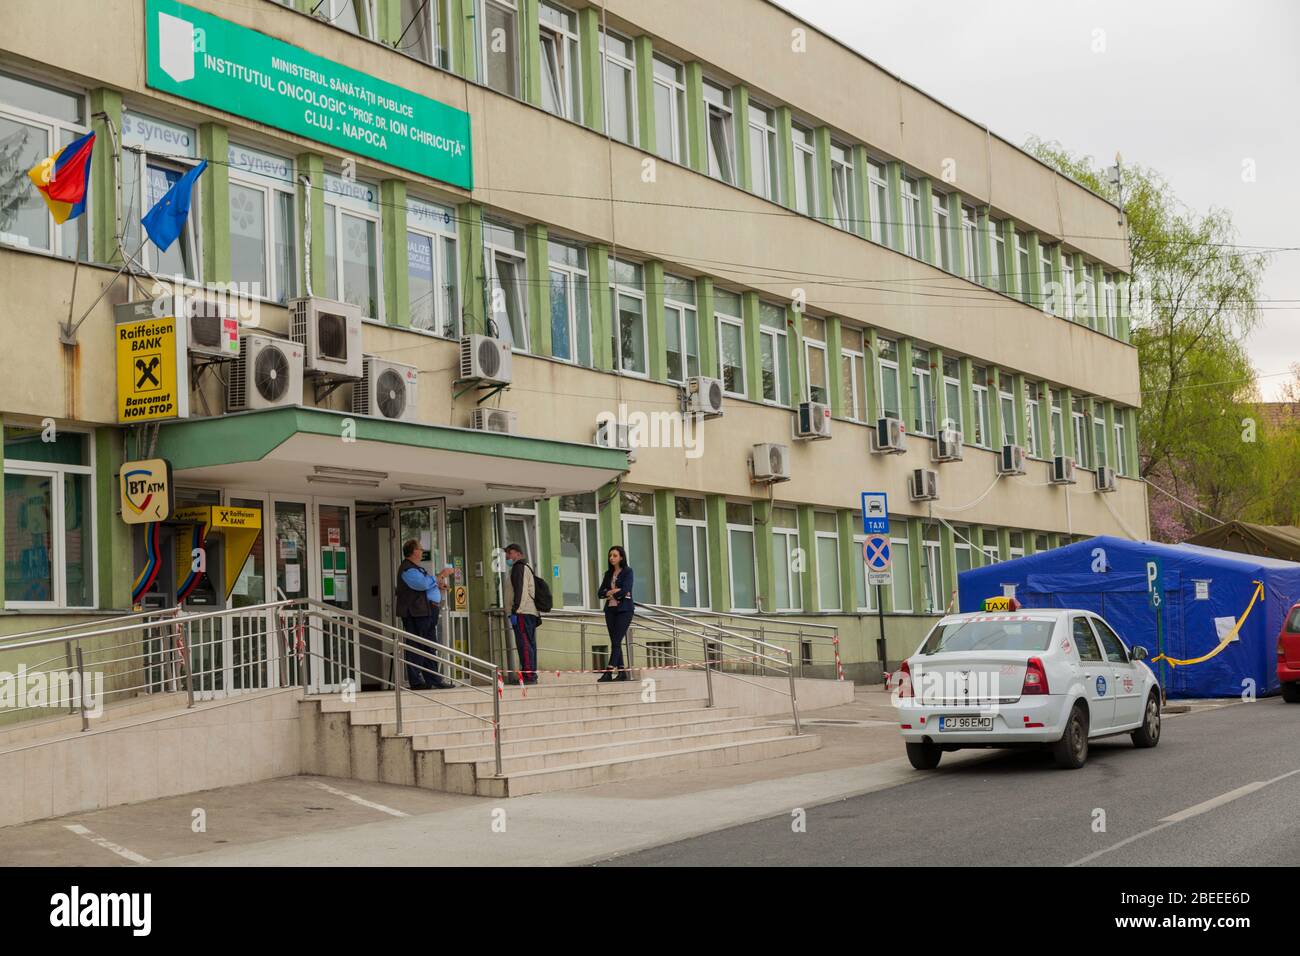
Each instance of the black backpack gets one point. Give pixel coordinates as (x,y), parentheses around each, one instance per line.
(542,594)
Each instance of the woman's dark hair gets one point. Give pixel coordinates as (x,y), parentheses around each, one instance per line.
(622,557)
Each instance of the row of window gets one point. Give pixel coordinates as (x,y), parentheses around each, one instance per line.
(922,582)
(951,234)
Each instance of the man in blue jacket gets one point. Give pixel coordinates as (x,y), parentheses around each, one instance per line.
(418,602)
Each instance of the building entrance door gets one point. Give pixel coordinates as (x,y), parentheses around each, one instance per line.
(426,521)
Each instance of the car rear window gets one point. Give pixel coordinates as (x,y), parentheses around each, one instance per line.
(989,636)
(1293,622)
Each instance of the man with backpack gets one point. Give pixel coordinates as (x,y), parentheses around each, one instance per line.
(530,598)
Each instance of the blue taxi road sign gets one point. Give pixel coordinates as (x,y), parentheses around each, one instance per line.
(875,513)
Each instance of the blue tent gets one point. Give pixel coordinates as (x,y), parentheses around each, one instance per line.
(1205,591)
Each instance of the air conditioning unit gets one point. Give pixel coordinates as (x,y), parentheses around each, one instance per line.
(1011,461)
(889,437)
(704,396)
(814,421)
(386,390)
(948,445)
(1063,470)
(266,374)
(770,462)
(611,434)
(1105,478)
(484,359)
(923,484)
(330,334)
(495,420)
(212,333)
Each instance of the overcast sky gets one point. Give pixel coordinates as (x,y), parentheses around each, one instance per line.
(1189,88)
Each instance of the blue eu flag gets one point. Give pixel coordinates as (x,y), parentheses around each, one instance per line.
(166,219)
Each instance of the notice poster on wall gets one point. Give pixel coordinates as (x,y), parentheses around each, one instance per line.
(292,578)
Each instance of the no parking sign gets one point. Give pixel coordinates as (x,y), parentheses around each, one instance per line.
(876,553)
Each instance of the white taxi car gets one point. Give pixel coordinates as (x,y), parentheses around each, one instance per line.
(1009,678)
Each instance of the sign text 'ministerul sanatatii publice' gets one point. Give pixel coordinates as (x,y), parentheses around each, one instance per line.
(209,60)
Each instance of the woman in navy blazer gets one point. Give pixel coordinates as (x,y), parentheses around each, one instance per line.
(616,592)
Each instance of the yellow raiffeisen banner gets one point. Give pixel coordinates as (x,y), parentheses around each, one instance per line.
(238,526)
(152,366)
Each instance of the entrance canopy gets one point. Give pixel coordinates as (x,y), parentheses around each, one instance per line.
(321,452)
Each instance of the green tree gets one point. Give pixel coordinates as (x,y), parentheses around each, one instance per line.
(1193,302)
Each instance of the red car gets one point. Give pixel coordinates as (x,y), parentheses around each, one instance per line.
(1288,656)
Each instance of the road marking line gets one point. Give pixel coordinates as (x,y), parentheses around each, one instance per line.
(360,800)
(121,851)
(1193,811)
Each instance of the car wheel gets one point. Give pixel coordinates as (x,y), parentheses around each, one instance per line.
(1148,735)
(1291,693)
(1071,751)
(924,756)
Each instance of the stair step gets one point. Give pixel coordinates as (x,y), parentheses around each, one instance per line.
(441,702)
(589,752)
(434,740)
(560,742)
(450,720)
(590,774)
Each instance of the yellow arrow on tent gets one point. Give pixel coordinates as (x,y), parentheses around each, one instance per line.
(1227,638)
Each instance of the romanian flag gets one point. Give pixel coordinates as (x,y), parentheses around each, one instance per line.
(63,178)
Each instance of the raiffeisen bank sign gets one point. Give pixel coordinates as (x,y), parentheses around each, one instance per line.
(209,60)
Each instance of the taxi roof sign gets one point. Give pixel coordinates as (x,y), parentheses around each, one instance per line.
(1001,603)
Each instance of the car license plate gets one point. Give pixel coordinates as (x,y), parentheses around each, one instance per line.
(965,723)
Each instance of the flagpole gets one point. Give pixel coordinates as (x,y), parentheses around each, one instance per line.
(70,332)
(67,337)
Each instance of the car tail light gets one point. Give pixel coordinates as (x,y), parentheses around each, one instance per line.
(904,687)
(1035,678)
(1281,650)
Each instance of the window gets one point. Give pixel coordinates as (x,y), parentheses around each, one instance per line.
(1023,265)
(997,278)
(853,372)
(521,528)
(864,596)
(913,221)
(620,87)
(352,244)
(1007,407)
(931,571)
(1032,444)
(557,37)
(731,341)
(49,515)
(1089,299)
(952,395)
(982,436)
(942,232)
(581,562)
(35,120)
(670,111)
(991,553)
(764,169)
(901,565)
(971,245)
(1058,426)
(922,393)
(425,31)
(1101,454)
(1067,286)
(506,273)
(681,328)
(262,226)
(1016,544)
(692,553)
(500,45)
(774,353)
(355,16)
(961,546)
(146,177)
(570,304)
(786,566)
(844,190)
(1085,641)
(740,547)
(721,132)
(890,405)
(1079,423)
(432,268)
(1047,276)
(1041,543)
(1111,307)
(827,538)
(878,187)
(638,511)
(818,372)
(1121,452)
(805,170)
(628,296)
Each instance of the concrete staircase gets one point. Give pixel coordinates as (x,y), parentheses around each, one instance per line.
(563,733)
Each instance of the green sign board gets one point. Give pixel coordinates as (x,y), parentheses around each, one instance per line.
(209,60)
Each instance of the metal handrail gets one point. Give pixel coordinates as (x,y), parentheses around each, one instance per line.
(782,620)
